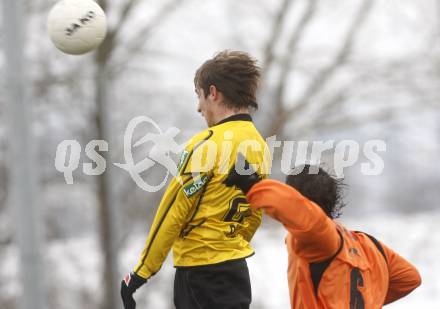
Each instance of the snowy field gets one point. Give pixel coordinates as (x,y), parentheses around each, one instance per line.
(73,265)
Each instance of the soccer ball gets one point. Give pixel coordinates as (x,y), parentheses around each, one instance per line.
(76,26)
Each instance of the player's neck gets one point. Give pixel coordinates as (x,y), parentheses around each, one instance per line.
(226,113)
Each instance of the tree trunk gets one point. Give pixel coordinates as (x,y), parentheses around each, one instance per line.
(106,201)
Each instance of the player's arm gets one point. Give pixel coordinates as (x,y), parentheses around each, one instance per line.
(404,277)
(171,215)
(175,206)
(315,234)
(169,218)
(173,212)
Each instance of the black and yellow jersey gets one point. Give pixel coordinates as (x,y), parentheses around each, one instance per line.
(204,221)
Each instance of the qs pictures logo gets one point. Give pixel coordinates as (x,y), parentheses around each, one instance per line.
(67,158)
(203,159)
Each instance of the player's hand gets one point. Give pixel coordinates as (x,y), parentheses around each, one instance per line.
(242,175)
(129,285)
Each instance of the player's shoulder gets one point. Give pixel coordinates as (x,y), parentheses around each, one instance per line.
(215,133)
(354,235)
(200,137)
(369,243)
(229,131)
(237,130)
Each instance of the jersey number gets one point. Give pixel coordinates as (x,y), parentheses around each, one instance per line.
(356,280)
(238,210)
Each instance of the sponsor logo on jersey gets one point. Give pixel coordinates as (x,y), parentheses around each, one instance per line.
(195,186)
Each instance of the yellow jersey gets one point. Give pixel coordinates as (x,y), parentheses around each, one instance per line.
(204,221)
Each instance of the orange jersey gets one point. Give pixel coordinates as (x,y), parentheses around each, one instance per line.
(330,266)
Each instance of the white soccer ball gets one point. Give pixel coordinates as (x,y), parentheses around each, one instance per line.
(76,26)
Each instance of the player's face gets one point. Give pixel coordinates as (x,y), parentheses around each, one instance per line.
(205,107)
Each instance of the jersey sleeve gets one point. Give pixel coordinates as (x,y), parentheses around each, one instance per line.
(314,234)
(172,214)
(403,276)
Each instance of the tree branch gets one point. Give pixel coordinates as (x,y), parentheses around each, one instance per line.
(327,73)
(351,121)
(107,47)
(125,12)
(275,34)
(139,40)
(286,61)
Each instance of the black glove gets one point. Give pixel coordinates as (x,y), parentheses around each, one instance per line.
(129,285)
(243,182)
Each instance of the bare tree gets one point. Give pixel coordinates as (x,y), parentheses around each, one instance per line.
(290,111)
(107,204)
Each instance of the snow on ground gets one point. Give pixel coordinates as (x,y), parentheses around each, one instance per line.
(73,266)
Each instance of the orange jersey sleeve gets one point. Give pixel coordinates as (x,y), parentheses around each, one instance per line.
(404,277)
(315,234)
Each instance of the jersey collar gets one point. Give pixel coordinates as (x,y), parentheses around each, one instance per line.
(237,117)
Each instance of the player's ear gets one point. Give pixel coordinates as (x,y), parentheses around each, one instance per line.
(213,92)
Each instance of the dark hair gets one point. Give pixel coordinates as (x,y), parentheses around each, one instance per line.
(320,188)
(235,74)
